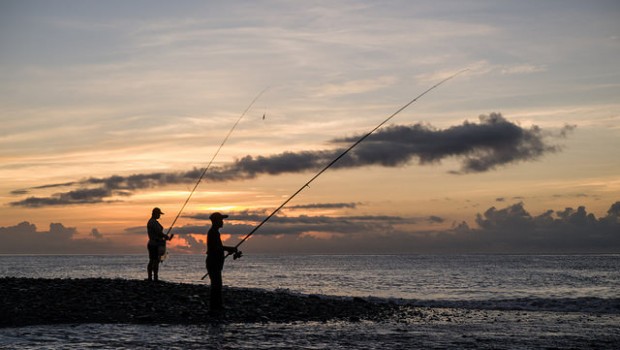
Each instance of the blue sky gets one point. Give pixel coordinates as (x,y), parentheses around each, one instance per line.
(109,90)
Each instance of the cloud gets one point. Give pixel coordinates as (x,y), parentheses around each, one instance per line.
(96,234)
(522,69)
(107,187)
(511,229)
(190,245)
(19,192)
(25,238)
(435,219)
(491,143)
(505,230)
(356,86)
(79,196)
(483,146)
(326,206)
(569,230)
(242,222)
(71,183)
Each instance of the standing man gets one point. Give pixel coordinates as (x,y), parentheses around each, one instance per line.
(215,261)
(157,240)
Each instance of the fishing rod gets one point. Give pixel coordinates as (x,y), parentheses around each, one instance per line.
(307,184)
(213,158)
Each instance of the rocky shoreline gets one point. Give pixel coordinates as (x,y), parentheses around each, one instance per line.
(117,313)
(34,301)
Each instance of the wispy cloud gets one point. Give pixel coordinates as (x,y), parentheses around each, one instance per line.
(356,86)
(522,69)
(483,146)
(483,67)
(326,206)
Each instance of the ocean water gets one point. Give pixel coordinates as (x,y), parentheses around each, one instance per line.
(470,301)
(420,277)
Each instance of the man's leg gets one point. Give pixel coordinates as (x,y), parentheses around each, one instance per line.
(215,293)
(149,270)
(156,270)
(153,266)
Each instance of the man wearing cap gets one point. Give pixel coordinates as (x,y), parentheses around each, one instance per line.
(215,261)
(157,240)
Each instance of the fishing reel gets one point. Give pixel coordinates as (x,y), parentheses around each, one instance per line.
(237,255)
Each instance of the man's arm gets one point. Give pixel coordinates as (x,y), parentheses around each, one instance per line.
(230,250)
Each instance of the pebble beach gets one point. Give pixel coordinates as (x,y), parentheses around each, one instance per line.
(28,301)
(138,314)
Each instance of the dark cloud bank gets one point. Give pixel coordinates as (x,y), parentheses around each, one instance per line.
(480,147)
(25,238)
(506,230)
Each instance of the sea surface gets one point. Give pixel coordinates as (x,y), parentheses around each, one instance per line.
(509,301)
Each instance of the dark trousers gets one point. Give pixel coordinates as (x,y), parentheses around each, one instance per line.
(153,267)
(215,265)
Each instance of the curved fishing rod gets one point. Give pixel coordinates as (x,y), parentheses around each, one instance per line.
(238,254)
(213,158)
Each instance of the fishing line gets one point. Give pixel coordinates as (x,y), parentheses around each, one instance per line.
(307,184)
(215,155)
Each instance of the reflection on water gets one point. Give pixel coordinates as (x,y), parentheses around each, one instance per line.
(438,329)
(459,277)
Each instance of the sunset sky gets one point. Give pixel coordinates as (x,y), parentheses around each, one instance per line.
(110,108)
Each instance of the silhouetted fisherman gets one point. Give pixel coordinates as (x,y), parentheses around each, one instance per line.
(156,244)
(215,261)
